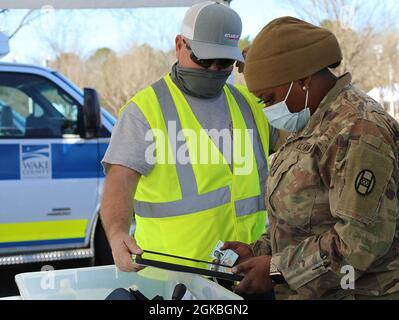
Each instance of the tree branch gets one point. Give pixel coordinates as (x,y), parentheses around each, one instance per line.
(26,20)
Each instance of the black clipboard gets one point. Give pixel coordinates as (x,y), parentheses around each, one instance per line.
(182,268)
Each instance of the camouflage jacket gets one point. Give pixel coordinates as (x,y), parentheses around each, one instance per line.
(332,200)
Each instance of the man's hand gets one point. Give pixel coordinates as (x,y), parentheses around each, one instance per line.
(123,246)
(256,280)
(242,249)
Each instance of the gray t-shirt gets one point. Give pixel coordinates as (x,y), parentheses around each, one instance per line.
(128,143)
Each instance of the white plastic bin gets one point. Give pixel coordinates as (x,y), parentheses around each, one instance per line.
(96,283)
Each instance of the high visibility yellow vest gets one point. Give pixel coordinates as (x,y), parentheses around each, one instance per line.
(184,209)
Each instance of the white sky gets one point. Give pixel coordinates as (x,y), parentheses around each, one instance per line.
(84,31)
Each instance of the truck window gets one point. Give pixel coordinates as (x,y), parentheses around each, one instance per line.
(34,107)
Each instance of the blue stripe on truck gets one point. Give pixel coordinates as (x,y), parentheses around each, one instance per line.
(9,162)
(40,242)
(69,161)
(75,161)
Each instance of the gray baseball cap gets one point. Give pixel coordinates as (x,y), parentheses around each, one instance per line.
(213,31)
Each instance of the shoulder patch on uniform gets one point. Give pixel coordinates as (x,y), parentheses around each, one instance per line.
(364,183)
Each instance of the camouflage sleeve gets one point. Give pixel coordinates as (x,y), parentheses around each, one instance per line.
(361,171)
(262,246)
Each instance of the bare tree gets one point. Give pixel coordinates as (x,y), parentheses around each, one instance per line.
(72,66)
(140,23)
(360,28)
(118,78)
(27,19)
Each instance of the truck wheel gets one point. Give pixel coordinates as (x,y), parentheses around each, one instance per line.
(102,250)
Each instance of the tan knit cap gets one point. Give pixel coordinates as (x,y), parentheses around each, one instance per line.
(289,49)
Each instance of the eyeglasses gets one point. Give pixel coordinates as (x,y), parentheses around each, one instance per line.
(207,63)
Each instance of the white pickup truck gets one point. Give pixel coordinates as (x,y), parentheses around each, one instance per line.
(53,136)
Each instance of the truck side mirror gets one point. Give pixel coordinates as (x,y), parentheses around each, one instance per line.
(91,113)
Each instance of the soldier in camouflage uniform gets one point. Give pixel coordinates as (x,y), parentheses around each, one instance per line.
(332,190)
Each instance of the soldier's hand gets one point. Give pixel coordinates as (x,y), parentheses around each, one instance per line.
(123,246)
(242,249)
(256,280)
(240,65)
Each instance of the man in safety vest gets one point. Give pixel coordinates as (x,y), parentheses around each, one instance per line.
(191,149)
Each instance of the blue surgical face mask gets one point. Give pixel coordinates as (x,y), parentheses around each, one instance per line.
(280,117)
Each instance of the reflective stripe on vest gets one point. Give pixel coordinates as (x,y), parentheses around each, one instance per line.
(191,201)
(257,203)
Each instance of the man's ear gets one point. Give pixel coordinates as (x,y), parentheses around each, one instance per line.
(178,45)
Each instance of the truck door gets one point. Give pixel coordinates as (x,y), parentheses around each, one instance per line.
(48,173)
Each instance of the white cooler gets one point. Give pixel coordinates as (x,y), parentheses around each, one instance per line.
(96,283)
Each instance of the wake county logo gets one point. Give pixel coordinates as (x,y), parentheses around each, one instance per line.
(35,162)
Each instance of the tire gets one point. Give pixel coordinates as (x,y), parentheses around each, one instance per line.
(102,249)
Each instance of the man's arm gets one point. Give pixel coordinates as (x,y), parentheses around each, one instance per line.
(117,214)
(124,163)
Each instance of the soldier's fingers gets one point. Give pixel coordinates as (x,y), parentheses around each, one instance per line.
(243,286)
(231,245)
(243,267)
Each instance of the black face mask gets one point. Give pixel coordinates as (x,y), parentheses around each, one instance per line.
(200,83)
